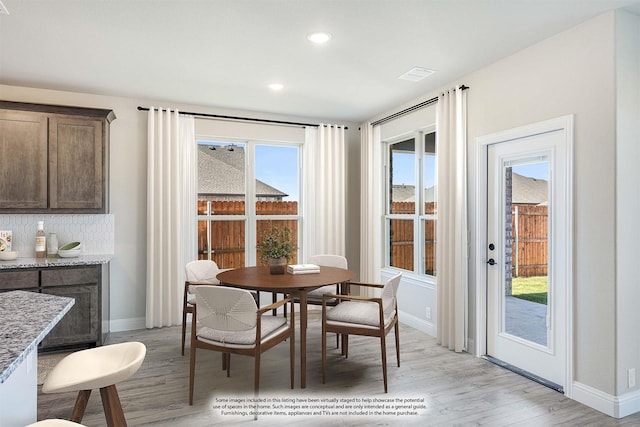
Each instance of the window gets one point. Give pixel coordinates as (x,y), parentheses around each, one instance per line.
(411,209)
(244,186)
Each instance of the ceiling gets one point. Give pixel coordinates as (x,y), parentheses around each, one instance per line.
(224,53)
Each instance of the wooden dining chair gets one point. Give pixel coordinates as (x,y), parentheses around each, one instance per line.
(200,272)
(231,323)
(362,315)
(314,297)
(327,260)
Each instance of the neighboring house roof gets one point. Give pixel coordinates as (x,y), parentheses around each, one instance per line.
(406,193)
(221,172)
(526,190)
(529,191)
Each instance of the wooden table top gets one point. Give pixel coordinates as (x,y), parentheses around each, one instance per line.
(259,278)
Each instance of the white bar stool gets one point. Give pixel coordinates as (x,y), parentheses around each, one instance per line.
(97,368)
(55,423)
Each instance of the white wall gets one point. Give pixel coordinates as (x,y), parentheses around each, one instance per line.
(575,72)
(627,198)
(571,73)
(128,188)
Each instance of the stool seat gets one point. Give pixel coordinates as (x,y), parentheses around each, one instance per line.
(55,423)
(95,367)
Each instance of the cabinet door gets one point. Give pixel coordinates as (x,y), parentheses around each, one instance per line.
(81,323)
(23,160)
(76,170)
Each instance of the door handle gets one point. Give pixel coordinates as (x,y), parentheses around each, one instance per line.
(491,261)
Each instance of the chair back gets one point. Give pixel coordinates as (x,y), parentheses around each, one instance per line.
(329,261)
(203,271)
(389,294)
(226,309)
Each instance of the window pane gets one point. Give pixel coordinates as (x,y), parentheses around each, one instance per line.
(225,245)
(221,178)
(401,243)
(429,173)
(263,226)
(402,176)
(429,227)
(277,183)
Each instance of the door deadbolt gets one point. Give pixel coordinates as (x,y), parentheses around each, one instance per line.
(491,246)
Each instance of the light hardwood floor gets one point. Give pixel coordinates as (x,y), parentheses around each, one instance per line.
(455,389)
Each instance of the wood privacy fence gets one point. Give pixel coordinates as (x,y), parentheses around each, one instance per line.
(530,225)
(227,238)
(401,233)
(529,240)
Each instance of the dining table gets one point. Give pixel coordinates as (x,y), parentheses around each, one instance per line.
(260,279)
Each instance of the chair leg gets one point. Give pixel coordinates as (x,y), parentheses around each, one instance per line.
(256,383)
(324,349)
(192,371)
(228,363)
(383,348)
(292,359)
(274,299)
(112,407)
(184,328)
(292,344)
(397,332)
(80,406)
(345,346)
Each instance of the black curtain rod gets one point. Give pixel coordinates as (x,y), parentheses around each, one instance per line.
(246,119)
(411,109)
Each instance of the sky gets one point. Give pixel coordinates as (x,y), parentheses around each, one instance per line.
(278,167)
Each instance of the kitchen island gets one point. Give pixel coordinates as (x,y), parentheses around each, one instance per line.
(25,319)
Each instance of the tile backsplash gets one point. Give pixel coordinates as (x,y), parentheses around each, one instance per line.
(96,232)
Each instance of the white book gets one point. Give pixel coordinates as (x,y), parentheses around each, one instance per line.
(300,267)
(305,272)
(303,268)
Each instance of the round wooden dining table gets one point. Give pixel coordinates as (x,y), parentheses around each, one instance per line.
(259,279)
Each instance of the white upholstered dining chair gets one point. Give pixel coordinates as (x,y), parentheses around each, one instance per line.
(201,272)
(229,321)
(362,315)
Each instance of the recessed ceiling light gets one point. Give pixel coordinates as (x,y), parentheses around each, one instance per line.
(319,38)
(276,86)
(416,74)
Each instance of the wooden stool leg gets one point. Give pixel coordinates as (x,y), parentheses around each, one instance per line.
(80,406)
(112,407)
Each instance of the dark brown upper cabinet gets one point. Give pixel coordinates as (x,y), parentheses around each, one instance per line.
(53,159)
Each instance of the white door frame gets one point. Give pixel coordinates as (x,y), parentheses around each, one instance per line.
(565,124)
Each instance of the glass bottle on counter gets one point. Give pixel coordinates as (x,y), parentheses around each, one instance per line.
(52,245)
(41,241)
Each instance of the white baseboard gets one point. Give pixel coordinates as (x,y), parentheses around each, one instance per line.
(614,406)
(121,325)
(417,323)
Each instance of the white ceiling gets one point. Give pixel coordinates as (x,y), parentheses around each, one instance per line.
(223,53)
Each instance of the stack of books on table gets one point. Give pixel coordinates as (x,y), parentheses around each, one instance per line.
(303,268)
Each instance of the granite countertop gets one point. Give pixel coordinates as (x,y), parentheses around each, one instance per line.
(25,319)
(55,262)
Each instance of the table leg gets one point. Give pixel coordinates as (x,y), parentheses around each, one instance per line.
(303,338)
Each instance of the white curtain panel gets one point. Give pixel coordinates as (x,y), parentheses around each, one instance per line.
(371,203)
(324,210)
(171,212)
(451,251)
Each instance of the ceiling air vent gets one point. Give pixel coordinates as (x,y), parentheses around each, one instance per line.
(416,74)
